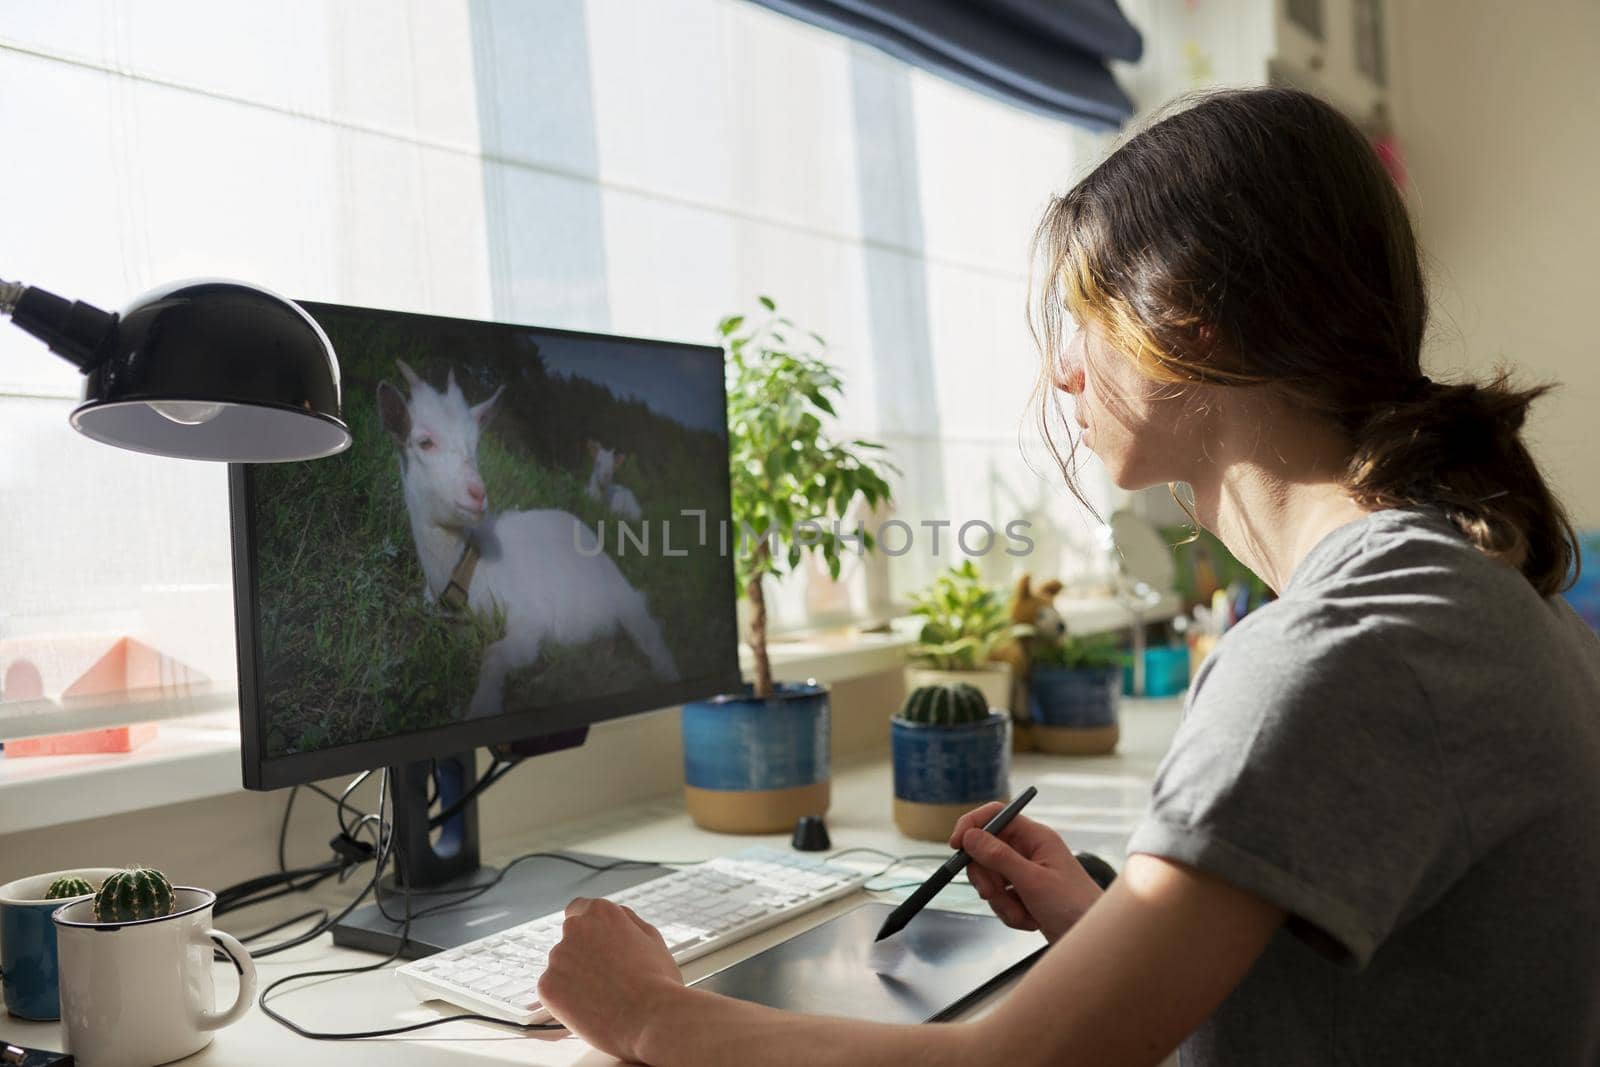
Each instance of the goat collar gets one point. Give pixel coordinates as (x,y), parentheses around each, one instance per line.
(455,592)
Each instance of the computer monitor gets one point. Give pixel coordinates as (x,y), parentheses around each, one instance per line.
(525,538)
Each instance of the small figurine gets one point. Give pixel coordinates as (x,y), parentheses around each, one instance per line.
(1034,608)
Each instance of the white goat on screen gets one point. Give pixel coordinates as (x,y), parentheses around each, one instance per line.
(618,498)
(542,568)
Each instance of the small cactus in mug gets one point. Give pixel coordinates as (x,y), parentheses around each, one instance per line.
(945,705)
(133,894)
(70,886)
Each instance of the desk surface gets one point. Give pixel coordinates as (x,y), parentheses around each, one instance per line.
(1096,803)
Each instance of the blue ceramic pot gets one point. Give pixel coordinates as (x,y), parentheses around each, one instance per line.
(967,764)
(1080,698)
(28,960)
(736,742)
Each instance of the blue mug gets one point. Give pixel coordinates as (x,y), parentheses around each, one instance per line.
(28,960)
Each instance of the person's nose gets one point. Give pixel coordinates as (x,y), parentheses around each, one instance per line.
(1069,367)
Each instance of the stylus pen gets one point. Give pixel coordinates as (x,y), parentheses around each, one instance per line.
(949,869)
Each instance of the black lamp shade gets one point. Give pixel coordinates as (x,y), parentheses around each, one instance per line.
(215,370)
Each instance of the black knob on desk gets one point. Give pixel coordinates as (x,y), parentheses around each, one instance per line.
(811,834)
(1101,871)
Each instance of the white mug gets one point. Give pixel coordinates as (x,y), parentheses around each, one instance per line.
(135,994)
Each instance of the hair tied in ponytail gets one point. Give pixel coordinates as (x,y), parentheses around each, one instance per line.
(1418,389)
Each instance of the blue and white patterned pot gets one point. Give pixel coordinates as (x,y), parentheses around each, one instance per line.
(942,772)
(1081,697)
(1074,709)
(965,764)
(754,766)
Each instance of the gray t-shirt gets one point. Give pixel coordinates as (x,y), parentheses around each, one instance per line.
(1404,753)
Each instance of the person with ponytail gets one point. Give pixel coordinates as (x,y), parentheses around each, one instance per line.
(1376,836)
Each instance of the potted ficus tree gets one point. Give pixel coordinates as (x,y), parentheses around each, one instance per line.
(757,760)
(964,621)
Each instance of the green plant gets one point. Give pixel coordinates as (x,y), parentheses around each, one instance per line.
(965,621)
(1080,653)
(136,893)
(1205,564)
(791,481)
(945,705)
(70,886)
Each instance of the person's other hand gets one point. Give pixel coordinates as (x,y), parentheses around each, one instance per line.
(608,976)
(1027,874)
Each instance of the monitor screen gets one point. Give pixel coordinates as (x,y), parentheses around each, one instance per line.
(525,537)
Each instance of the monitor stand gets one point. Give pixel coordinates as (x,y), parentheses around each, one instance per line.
(445,869)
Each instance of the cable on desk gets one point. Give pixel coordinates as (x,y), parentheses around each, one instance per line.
(356,1035)
(498,769)
(320,914)
(267,887)
(473,892)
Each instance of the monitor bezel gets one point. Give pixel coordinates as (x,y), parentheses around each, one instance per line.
(263,772)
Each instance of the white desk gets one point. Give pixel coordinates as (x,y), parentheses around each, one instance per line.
(1096,802)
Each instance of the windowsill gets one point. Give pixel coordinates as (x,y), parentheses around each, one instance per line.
(198,757)
(190,759)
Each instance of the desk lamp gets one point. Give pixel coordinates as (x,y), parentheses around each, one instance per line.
(196,370)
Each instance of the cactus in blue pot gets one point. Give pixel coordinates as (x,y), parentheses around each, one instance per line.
(70,886)
(133,894)
(945,705)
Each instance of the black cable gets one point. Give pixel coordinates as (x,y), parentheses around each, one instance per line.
(355,1035)
(473,892)
(321,913)
(267,886)
(385,842)
(497,770)
(255,890)
(342,803)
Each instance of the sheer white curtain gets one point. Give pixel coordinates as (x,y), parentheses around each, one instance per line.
(635,168)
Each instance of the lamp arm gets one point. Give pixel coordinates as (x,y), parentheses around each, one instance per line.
(72,329)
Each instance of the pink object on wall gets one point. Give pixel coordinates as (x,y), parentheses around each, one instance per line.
(128,665)
(114,739)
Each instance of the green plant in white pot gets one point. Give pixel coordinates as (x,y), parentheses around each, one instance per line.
(963,622)
(756,761)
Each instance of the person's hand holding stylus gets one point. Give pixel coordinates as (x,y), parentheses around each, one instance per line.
(1028,875)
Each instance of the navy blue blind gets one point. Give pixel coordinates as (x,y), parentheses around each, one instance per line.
(1048,56)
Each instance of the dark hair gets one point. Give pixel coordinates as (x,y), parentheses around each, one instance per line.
(1254,238)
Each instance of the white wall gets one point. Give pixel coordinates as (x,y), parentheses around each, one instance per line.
(1497,111)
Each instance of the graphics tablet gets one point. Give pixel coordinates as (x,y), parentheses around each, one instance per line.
(927,971)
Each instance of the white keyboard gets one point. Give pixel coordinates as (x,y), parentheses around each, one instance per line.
(698,910)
